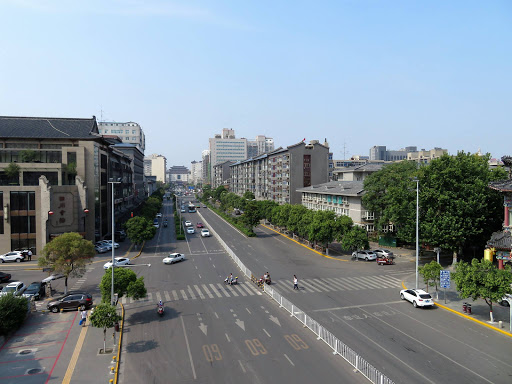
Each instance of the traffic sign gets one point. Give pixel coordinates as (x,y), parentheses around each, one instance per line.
(445,278)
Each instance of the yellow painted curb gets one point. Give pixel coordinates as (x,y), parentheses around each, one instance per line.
(141,249)
(120,340)
(305,246)
(469,317)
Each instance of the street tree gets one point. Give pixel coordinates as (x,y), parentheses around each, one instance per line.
(248,195)
(283,215)
(125,283)
(458,208)
(151,207)
(13,311)
(251,216)
(104,316)
(67,254)
(139,229)
(304,223)
(295,215)
(321,228)
(481,279)
(391,194)
(266,207)
(218,191)
(431,273)
(356,238)
(342,226)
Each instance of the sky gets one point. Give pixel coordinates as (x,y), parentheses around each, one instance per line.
(358,73)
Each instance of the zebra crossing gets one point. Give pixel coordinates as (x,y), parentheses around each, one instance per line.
(325,284)
(317,285)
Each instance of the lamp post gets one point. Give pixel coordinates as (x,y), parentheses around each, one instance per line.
(417,226)
(112,182)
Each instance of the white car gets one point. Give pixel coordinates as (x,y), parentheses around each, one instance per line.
(418,297)
(205,232)
(118,261)
(52,277)
(188,223)
(383,252)
(109,243)
(191,230)
(102,243)
(159,215)
(182,210)
(366,255)
(505,300)
(16,288)
(174,258)
(12,256)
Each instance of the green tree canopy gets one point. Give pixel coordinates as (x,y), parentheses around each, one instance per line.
(481,279)
(67,254)
(139,229)
(218,191)
(251,216)
(356,238)
(125,283)
(457,208)
(342,226)
(304,223)
(281,219)
(12,171)
(13,311)
(104,316)
(266,207)
(431,273)
(321,228)
(295,216)
(248,195)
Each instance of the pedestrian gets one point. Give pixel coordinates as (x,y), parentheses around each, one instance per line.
(29,255)
(83,314)
(295,282)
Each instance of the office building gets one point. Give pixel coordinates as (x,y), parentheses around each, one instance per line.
(259,146)
(129,132)
(156,165)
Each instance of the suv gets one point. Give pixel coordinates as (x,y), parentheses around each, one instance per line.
(205,232)
(73,300)
(12,256)
(36,289)
(16,288)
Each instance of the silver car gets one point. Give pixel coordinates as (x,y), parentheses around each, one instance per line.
(365,255)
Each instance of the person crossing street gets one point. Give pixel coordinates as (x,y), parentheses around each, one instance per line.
(295,282)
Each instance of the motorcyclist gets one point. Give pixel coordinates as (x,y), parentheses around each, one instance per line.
(160,304)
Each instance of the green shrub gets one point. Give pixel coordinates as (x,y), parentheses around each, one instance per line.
(13,311)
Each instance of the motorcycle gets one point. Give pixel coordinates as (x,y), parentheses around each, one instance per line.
(160,310)
(233,281)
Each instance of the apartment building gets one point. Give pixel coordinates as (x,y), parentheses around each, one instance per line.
(226,147)
(277,175)
(196,172)
(54,175)
(357,173)
(129,132)
(221,174)
(156,165)
(259,146)
(425,157)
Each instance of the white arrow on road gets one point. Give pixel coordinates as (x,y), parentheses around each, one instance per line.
(203,328)
(240,323)
(275,320)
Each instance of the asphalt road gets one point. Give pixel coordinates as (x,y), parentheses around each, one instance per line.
(359,303)
(212,333)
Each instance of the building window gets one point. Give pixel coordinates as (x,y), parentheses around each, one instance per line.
(23,201)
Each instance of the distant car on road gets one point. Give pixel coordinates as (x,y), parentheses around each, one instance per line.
(205,232)
(16,256)
(174,258)
(15,288)
(190,230)
(102,248)
(159,215)
(504,300)
(182,210)
(156,224)
(199,225)
(418,297)
(103,243)
(118,261)
(36,289)
(188,223)
(366,255)
(108,243)
(4,277)
(73,300)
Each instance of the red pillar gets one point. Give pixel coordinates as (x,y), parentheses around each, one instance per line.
(500,264)
(506,216)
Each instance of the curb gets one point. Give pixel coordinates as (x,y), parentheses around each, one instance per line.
(305,246)
(121,326)
(469,317)
(138,254)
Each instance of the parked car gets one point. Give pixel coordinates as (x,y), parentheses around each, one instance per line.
(504,300)
(366,255)
(103,243)
(190,230)
(16,288)
(156,224)
(109,243)
(102,248)
(199,225)
(159,215)
(119,235)
(52,277)
(204,206)
(383,252)
(73,300)
(36,289)
(188,223)
(205,232)
(118,261)
(182,210)
(418,297)
(12,256)
(5,277)
(174,258)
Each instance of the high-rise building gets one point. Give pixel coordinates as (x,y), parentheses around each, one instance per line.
(259,146)
(196,172)
(156,165)
(129,133)
(206,165)
(379,152)
(227,147)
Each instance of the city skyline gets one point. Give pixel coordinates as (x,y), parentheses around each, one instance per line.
(358,74)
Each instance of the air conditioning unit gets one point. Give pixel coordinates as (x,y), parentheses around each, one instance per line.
(309,146)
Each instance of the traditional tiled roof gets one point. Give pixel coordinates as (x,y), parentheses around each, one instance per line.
(501,240)
(48,128)
(342,188)
(502,185)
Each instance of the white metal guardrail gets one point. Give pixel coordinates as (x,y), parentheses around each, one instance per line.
(338,347)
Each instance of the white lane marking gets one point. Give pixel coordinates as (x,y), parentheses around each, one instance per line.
(305,284)
(149,297)
(252,288)
(291,362)
(199,292)
(158,297)
(227,337)
(240,290)
(207,291)
(167,297)
(241,365)
(214,289)
(195,266)
(358,306)
(175,295)
(200,276)
(355,282)
(268,334)
(233,291)
(244,286)
(184,294)
(217,316)
(213,265)
(248,310)
(223,290)
(375,282)
(318,285)
(188,348)
(192,295)
(336,283)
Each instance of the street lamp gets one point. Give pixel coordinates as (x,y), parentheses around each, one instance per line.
(112,238)
(417,226)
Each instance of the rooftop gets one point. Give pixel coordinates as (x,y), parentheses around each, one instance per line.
(48,128)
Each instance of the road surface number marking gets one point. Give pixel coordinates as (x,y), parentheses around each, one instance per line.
(296,342)
(212,352)
(255,347)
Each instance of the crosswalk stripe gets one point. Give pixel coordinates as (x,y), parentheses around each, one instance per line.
(398,281)
(390,283)
(237,287)
(167,297)
(313,283)
(233,291)
(376,282)
(335,283)
(199,292)
(158,297)
(370,283)
(149,297)
(305,284)
(356,283)
(249,291)
(175,295)
(207,291)
(192,295)
(221,288)
(253,288)
(214,289)
(183,294)
(327,285)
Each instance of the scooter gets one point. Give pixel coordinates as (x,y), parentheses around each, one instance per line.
(160,310)
(232,282)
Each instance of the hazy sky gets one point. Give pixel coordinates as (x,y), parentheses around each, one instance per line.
(357,72)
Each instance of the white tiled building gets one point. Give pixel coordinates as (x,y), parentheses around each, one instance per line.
(129,132)
(156,165)
(196,172)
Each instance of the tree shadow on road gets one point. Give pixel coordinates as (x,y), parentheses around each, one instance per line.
(141,346)
(150,314)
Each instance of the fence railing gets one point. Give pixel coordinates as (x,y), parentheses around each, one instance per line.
(338,347)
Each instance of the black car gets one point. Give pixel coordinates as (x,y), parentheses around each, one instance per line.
(73,300)
(4,277)
(36,289)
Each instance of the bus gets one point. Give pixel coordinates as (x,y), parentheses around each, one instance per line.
(191,208)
